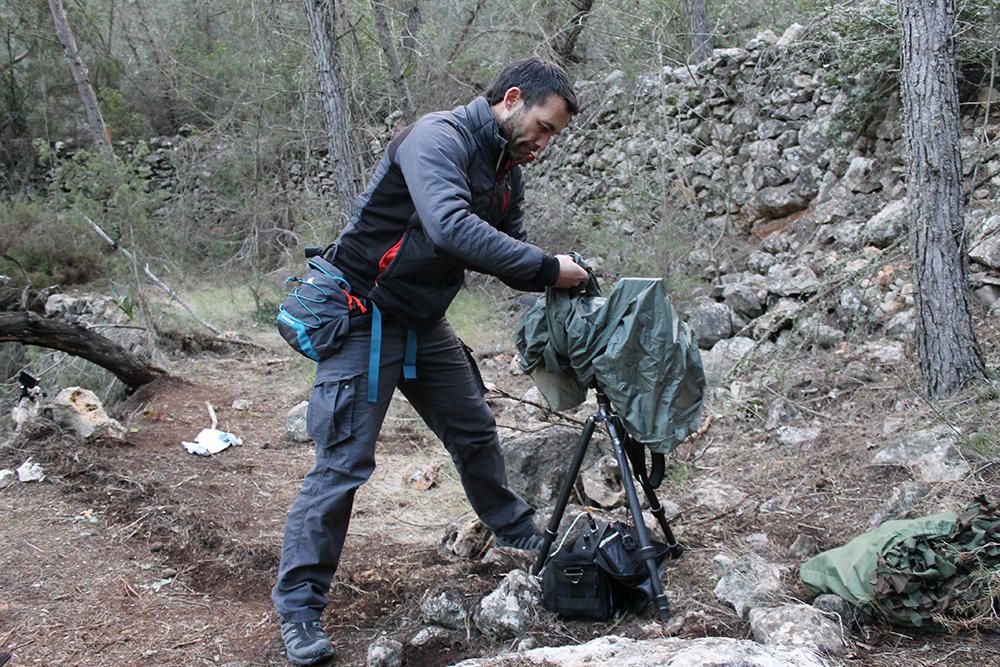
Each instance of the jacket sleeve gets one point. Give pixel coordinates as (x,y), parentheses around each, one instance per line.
(434,159)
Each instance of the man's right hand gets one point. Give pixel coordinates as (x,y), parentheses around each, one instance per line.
(571,274)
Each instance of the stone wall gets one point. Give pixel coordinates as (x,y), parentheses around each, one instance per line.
(747,144)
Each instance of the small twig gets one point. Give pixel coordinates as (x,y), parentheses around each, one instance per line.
(211,413)
(545,408)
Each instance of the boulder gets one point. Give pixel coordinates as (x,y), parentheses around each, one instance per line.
(508,611)
(797,625)
(748,582)
(711,322)
(984,246)
(537,462)
(385,652)
(295,423)
(445,608)
(931,454)
(888,225)
(80,411)
(602,483)
(859,176)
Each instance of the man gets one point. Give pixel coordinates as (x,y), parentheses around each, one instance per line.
(446,196)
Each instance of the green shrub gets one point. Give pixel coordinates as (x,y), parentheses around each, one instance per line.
(44,248)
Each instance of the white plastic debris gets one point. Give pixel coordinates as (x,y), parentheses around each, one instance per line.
(29,471)
(211,441)
(6,478)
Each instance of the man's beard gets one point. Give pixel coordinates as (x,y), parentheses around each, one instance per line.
(518,149)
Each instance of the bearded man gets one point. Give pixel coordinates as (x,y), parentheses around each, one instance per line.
(446,196)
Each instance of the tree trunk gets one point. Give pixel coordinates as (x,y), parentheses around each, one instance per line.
(565,42)
(388,43)
(949,352)
(30,329)
(342,158)
(411,27)
(699,30)
(98,130)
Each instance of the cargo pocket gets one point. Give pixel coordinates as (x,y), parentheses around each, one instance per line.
(331,412)
(473,367)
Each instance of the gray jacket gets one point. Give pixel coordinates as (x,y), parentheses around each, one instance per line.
(443,198)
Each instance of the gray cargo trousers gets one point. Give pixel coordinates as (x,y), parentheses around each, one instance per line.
(447,394)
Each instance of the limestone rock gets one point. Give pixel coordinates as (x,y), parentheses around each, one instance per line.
(295,423)
(888,225)
(537,462)
(508,611)
(660,652)
(930,454)
(797,625)
(80,411)
(723,357)
(445,608)
(385,652)
(602,483)
(984,246)
(749,582)
(717,496)
(711,322)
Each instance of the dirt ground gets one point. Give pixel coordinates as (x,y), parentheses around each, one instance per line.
(143,554)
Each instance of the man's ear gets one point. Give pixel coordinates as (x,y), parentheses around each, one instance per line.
(511,98)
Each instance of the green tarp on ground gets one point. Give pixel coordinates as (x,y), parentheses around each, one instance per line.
(922,571)
(631,343)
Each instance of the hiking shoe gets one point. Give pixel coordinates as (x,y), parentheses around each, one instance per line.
(306,642)
(529,542)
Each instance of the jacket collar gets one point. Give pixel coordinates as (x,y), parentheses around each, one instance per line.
(483,125)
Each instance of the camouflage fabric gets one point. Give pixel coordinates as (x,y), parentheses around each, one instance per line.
(917,572)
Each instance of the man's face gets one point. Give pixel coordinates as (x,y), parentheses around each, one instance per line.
(528,130)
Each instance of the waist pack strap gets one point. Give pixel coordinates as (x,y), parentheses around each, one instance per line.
(410,355)
(374,354)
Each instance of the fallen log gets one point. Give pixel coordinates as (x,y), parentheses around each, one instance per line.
(30,329)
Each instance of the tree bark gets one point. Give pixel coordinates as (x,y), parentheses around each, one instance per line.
(31,329)
(950,356)
(95,121)
(319,13)
(699,30)
(388,43)
(565,42)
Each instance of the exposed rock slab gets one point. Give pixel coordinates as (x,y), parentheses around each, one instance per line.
(669,652)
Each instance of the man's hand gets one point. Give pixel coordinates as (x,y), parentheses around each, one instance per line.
(571,274)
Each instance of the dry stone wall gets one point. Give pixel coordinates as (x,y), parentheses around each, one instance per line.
(783,208)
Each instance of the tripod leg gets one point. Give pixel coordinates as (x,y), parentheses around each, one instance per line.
(674,548)
(646,549)
(552,529)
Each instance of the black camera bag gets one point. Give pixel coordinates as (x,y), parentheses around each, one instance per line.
(574,585)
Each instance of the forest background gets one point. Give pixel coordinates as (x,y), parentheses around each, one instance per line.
(239,79)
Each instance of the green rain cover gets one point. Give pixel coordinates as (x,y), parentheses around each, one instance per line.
(917,571)
(631,343)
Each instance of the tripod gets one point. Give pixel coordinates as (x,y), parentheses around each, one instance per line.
(622,442)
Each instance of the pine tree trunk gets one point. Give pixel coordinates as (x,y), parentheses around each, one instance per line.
(98,130)
(565,43)
(388,44)
(342,157)
(949,352)
(699,30)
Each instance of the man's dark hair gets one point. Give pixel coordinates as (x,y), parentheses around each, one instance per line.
(537,79)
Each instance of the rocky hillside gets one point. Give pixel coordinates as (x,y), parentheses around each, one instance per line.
(785,208)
